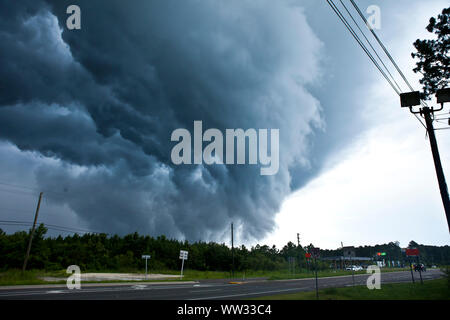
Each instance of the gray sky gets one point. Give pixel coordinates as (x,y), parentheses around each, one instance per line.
(87,115)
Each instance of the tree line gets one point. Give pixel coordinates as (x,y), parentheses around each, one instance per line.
(100,252)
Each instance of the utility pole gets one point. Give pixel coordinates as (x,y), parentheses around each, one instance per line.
(411,99)
(232,250)
(437,162)
(32,232)
(299,253)
(317,284)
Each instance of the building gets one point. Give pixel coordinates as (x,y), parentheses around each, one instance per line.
(341,262)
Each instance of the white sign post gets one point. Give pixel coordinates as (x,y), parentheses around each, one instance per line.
(146,257)
(183,256)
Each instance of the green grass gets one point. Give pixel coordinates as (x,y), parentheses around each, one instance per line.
(17,277)
(327,273)
(430,290)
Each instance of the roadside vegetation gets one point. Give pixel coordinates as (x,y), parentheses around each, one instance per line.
(430,290)
(50,256)
(102,252)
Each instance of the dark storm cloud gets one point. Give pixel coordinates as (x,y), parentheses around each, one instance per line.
(105,99)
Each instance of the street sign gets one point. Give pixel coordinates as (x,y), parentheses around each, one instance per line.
(183,255)
(307,255)
(381,253)
(146,257)
(412,252)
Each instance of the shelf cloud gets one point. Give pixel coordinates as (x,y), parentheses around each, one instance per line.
(103,101)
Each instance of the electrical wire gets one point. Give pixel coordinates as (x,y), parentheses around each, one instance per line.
(371,46)
(386,51)
(18,192)
(2,183)
(358,39)
(381,44)
(49,226)
(441,121)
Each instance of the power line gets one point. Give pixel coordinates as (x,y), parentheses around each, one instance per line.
(29,188)
(16,186)
(16,210)
(45,213)
(358,39)
(442,114)
(70,228)
(370,44)
(381,44)
(18,192)
(49,226)
(417,117)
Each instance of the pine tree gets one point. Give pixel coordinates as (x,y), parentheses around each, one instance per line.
(433,55)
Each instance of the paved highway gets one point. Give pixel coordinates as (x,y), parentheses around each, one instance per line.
(201,290)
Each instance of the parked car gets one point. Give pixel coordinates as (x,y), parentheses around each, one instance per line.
(354,268)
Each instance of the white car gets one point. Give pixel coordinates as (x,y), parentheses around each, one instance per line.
(354,268)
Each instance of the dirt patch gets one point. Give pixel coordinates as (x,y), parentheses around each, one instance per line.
(115,277)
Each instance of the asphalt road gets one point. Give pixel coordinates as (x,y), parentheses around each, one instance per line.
(202,290)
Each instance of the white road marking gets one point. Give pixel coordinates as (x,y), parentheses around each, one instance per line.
(201,291)
(139,287)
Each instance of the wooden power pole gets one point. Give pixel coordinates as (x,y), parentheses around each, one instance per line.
(32,232)
(232,249)
(437,163)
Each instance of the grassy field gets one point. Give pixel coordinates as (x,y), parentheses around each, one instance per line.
(32,277)
(271,275)
(17,277)
(430,290)
(329,273)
